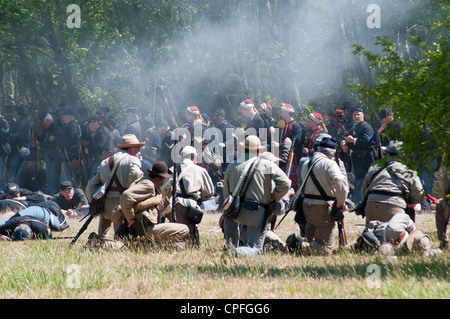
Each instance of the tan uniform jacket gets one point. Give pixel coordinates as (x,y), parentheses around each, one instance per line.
(330,177)
(260,187)
(142,195)
(196,181)
(385,182)
(128,170)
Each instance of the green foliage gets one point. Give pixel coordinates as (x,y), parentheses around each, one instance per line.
(417,91)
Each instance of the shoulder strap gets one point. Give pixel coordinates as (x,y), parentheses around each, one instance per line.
(243,176)
(373,177)
(249,176)
(301,189)
(318,186)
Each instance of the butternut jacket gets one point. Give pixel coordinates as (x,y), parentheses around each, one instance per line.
(128,170)
(330,177)
(260,187)
(398,179)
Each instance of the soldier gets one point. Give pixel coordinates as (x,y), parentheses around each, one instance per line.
(362,146)
(167,142)
(258,198)
(228,144)
(19,140)
(294,132)
(5,149)
(144,201)
(32,177)
(397,235)
(70,145)
(443,215)
(99,145)
(133,125)
(315,128)
(390,188)
(193,185)
(52,156)
(254,120)
(71,199)
(128,170)
(324,185)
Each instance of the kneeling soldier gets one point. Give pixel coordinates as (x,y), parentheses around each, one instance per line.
(141,205)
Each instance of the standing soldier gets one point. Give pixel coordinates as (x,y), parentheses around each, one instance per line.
(294,132)
(362,146)
(5,149)
(257,199)
(254,120)
(167,142)
(443,215)
(71,146)
(133,125)
(19,140)
(99,145)
(193,185)
(390,188)
(52,155)
(128,170)
(324,184)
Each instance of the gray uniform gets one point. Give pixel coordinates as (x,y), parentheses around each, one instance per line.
(128,170)
(259,190)
(390,191)
(321,230)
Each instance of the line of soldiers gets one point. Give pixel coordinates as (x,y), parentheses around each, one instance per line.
(209,164)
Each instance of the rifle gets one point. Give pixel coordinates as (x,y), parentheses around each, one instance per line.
(174,192)
(338,215)
(379,149)
(290,159)
(82,229)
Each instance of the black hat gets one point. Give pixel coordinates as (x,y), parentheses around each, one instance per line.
(12,189)
(66,184)
(104,108)
(20,109)
(357,108)
(94,118)
(327,142)
(162,123)
(159,169)
(67,111)
(219,112)
(385,112)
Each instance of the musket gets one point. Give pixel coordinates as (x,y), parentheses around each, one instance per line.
(338,215)
(82,229)
(174,192)
(290,159)
(379,149)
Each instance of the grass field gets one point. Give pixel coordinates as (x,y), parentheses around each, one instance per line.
(52,269)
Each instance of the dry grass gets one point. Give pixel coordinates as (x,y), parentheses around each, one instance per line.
(53,269)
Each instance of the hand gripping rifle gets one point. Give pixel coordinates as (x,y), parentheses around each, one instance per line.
(338,215)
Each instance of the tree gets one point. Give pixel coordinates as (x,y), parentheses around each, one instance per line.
(417,90)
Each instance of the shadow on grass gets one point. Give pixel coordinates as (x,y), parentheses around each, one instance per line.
(437,269)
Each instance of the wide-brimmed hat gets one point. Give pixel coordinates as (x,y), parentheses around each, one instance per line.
(252,143)
(130,140)
(418,241)
(188,150)
(159,169)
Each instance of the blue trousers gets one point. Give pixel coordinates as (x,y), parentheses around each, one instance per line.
(255,232)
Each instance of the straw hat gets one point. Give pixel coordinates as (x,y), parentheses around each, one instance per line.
(130,140)
(252,143)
